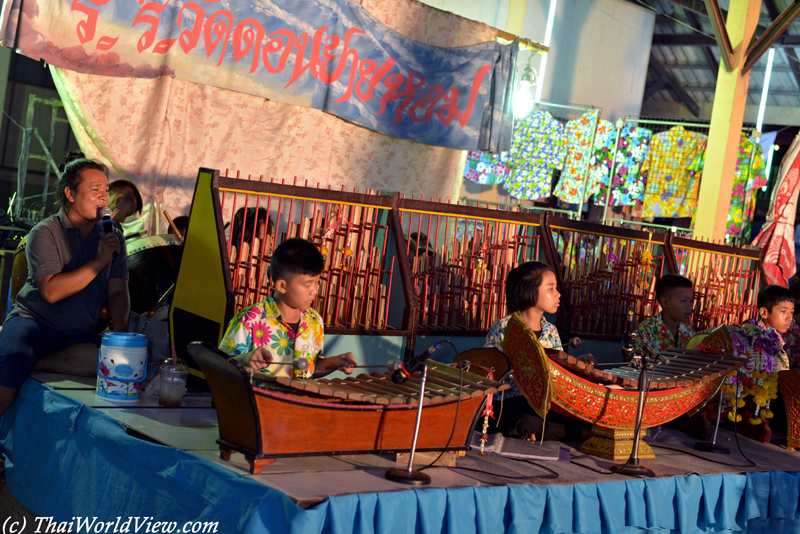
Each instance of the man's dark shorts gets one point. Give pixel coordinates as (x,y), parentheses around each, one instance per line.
(24,341)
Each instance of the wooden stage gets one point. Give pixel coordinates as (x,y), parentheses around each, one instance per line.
(165,463)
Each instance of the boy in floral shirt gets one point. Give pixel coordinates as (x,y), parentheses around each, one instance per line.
(776,311)
(272,334)
(671,327)
(792,336)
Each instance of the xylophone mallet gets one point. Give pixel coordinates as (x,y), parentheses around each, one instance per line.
(300,364)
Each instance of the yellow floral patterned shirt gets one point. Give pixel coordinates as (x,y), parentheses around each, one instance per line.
(261,325)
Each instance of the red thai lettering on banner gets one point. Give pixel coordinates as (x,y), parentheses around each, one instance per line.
(327,56)
(106,43)
(86,28)
(189,38)
(313,61)
(394,83)
(148,37)
(251,36)
(163,46)
(216,32)
(341,65)
(367,68)
(274,45)
(428,100)
(449,111)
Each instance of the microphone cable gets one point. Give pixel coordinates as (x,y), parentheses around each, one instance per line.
(736,428)
(552,476)
(736,436)
(458,407)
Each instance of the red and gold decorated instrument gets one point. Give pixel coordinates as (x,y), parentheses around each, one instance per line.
(789,386)
(684,383)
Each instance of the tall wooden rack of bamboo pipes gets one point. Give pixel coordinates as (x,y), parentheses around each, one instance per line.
(379,232)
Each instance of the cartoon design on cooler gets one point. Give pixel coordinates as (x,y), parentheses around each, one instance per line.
(122,366)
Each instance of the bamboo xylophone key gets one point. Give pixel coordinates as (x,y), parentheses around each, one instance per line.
(370,392)
(382,396)
(344,393)
(385,384)
(441,388)
(479,386)
(386,377)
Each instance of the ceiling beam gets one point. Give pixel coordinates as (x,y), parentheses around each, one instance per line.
(754,92)
(696,39)
(675,86)
(653,88)
(791,55)
(768,38)
(704,66)
(720,33)
(710,59)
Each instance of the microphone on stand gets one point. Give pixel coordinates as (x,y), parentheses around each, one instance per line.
(400,375)
(628,345)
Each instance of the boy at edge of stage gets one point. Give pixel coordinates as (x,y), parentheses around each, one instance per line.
(672,327)
(271,335)
(775,310)
(792,336)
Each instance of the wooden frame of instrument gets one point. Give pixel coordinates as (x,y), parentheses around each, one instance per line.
(205,245)
(267,424)
(546,384)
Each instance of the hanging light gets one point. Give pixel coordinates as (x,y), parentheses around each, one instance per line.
(523,100)
(528,76)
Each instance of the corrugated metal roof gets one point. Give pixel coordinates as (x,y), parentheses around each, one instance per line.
(676,33)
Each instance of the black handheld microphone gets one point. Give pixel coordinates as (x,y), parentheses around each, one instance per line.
(105,216)
(414,364)
(106,221)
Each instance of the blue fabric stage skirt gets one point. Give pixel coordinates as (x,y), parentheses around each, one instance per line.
(66,461)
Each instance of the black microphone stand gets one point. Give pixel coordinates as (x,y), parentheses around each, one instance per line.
(712,446)
(632,467)
(409,475)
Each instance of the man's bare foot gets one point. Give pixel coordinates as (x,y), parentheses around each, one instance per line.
(529,437)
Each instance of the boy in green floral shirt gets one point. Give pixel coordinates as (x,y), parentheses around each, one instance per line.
(672,327)
(272,334)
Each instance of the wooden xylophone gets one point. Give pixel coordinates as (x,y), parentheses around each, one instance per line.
(681,385)
(357,415)
(680,368)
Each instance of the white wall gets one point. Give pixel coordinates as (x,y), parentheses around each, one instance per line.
(598,54)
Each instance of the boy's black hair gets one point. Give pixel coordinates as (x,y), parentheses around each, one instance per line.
(670,282)
(522,285)
(245,224)
(296,256)
(772,295)
(795,289)
(181,223)
(116,185)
